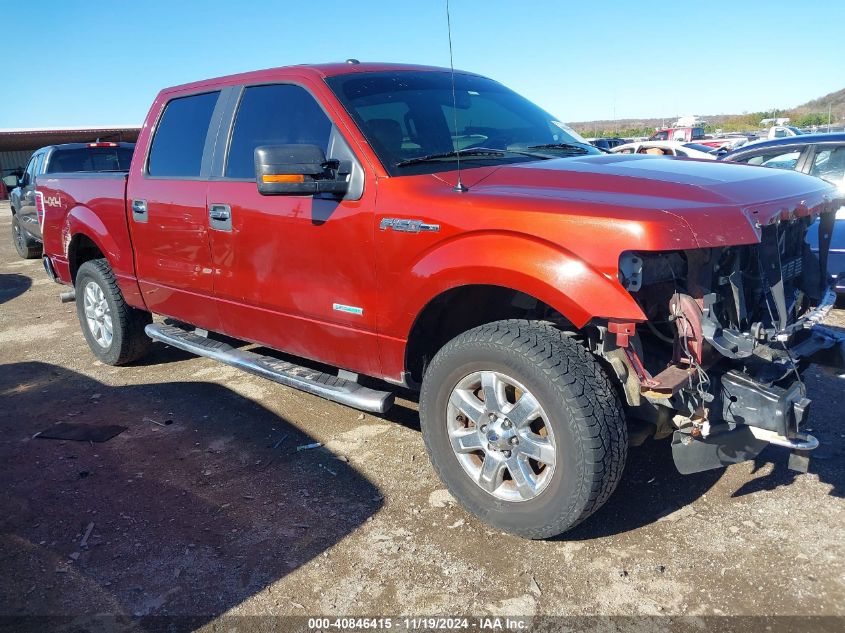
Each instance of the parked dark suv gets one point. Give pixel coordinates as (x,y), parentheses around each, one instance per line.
(821,155)
(607,144)
(28,205)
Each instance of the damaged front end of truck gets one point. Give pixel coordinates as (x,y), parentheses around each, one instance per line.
(730,331)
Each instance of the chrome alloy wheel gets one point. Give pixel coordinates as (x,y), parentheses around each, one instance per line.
(501,436)
(98,314)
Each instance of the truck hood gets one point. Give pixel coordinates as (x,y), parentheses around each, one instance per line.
(720,203)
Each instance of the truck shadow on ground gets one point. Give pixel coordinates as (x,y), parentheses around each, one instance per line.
(825,463)
(13,285)
(200,504)
(651,486)
(650,489)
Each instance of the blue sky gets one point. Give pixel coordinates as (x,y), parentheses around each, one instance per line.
(91,62)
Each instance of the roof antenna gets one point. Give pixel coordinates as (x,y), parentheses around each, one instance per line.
(459,187)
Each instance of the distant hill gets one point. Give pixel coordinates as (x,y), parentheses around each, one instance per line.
(836,101)
(813,112)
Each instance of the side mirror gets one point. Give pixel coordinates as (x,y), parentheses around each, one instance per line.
(298,170)
(11,181)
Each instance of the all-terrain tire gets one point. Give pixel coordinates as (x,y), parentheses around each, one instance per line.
(583,410)
(128,341)
(26,246)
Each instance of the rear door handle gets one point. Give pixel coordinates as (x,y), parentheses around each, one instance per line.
(139,210)
(220,216)
(219,213)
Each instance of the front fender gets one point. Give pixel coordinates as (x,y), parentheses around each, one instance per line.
(520,262)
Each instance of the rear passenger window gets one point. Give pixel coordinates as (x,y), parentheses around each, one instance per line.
(90,159)
(180,136)
(278,114)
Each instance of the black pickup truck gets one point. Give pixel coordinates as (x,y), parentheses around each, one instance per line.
(28,205)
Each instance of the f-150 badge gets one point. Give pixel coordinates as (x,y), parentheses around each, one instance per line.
(406,226)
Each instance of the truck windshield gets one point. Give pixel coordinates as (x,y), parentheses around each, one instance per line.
(409,115)
(90,159)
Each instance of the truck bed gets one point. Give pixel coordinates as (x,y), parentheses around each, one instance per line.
(92,205)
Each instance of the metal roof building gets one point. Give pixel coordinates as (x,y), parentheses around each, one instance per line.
(18,144)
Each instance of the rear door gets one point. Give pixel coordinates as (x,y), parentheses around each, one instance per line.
(293,272)
(167,212)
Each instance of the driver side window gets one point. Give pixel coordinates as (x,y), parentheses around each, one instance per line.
(276,114)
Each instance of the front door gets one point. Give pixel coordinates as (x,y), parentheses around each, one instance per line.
(293,272)
(167,214)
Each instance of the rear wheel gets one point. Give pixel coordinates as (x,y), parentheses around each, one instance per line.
(25,245)
(113,329)
(523,426)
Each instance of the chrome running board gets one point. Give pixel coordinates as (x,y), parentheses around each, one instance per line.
(333,388)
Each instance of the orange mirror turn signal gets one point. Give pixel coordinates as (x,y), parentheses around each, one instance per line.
(283,178)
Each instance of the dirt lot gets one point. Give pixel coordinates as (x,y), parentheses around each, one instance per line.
(205,507)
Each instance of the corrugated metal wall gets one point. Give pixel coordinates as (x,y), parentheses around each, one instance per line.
(14,159)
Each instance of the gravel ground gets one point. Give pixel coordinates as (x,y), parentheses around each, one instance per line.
(203,506)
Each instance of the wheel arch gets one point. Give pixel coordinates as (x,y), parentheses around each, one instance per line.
(462,308)
(82,248)
(508,276)
(89,238)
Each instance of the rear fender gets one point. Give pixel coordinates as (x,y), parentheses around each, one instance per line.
(116,248)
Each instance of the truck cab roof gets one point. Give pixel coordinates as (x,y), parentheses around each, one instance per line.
(320,71)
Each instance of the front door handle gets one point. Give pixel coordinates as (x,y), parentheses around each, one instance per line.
(220,216)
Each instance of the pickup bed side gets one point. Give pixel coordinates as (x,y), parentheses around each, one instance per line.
(85,219)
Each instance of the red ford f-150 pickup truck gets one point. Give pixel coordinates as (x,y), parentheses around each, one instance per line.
(544,298)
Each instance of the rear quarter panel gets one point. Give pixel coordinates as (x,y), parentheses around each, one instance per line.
(94,206)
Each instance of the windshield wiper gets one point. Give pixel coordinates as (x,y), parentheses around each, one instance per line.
(477,152)
(570,147)
(474,151)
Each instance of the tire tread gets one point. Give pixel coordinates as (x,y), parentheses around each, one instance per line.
(134,343)
(588,396)
(32,249)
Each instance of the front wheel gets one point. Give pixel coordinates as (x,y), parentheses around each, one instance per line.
(523,427)
(114,330)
